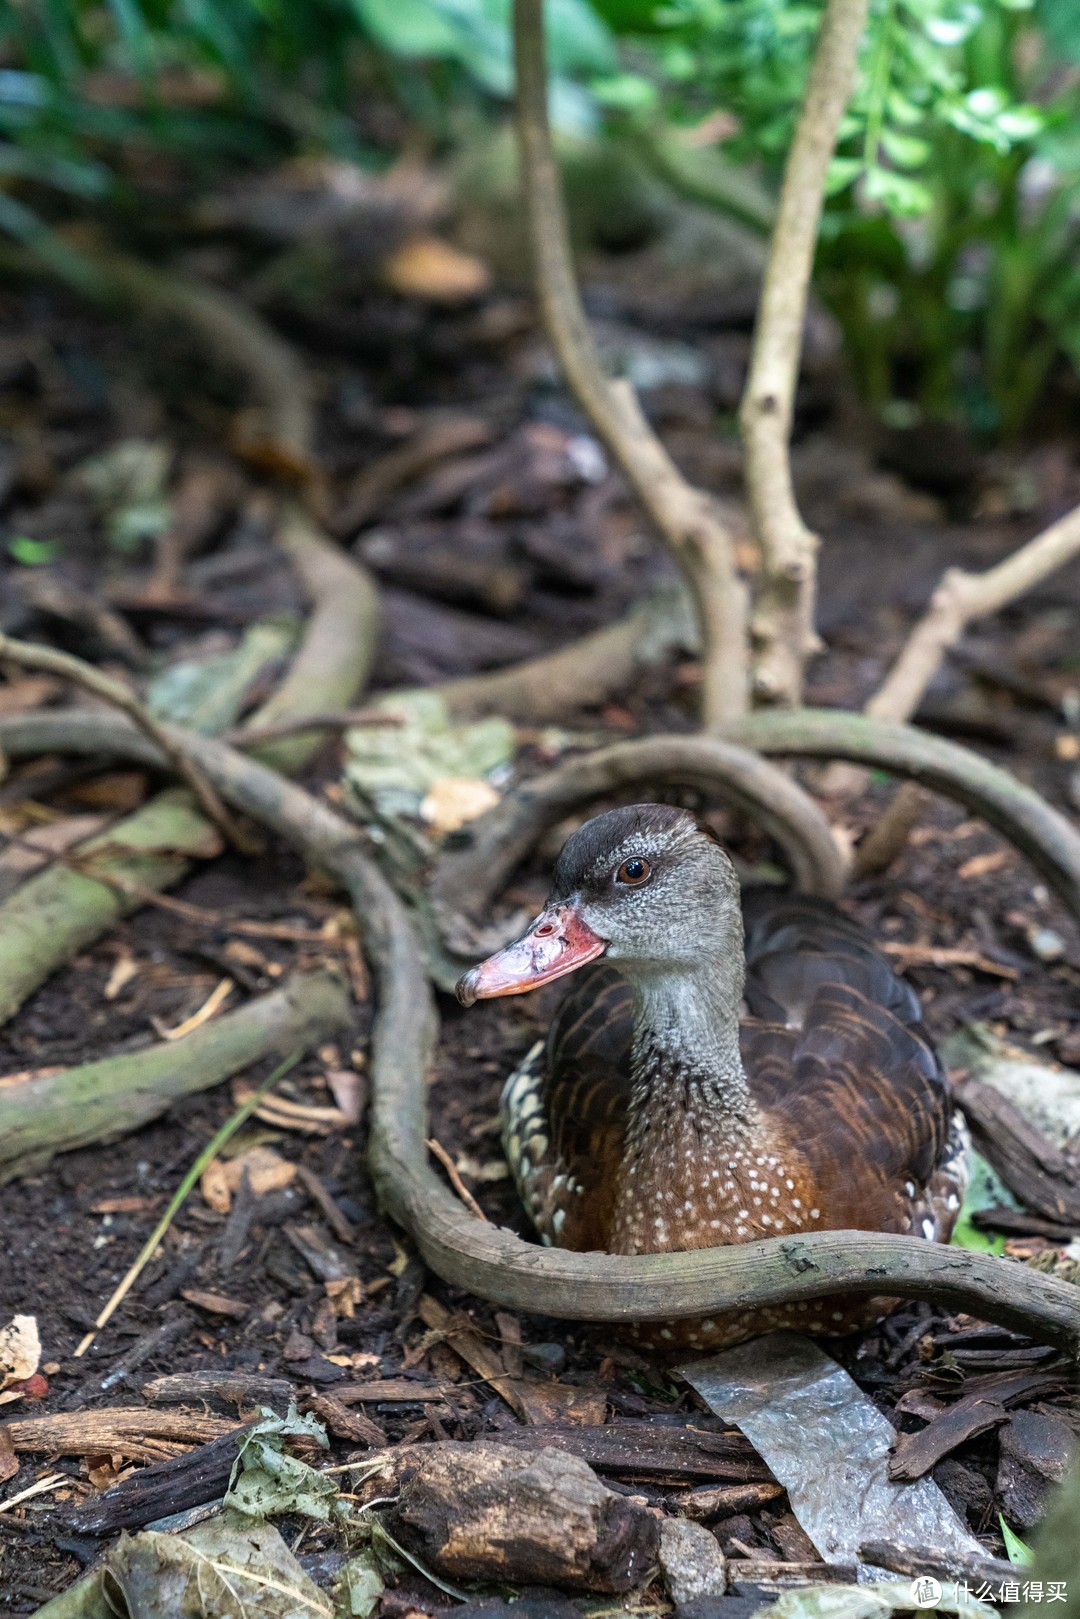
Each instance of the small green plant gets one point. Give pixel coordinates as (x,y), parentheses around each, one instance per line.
(1019,1553)
(949,244)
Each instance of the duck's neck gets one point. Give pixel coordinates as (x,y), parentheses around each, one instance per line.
(686,1039)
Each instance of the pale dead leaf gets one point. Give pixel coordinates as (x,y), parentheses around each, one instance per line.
(267,1172)
(429,268)
(455,801)
(20,1350)
(349,1090)
(124,970)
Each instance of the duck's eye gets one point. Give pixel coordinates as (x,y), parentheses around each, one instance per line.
(634,871)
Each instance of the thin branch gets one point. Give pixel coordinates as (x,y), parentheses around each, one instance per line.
(686,517)
(29,655)
(492,1262)
(961,598)
(455,1178)
(783,624)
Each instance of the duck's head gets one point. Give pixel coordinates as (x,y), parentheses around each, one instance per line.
(647,887)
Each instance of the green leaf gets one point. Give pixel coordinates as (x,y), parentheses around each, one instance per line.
(842,171)
(981,1192)
(32,553)
(908,151)
(411,28)
(1019,1553)
(897,192)
(628,92)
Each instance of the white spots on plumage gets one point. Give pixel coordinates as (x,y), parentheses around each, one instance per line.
(790,1184)
(558,1220)
(815,1214)
(952,1201)
(929,1229)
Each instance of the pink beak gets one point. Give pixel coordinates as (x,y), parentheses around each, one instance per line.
(558,942)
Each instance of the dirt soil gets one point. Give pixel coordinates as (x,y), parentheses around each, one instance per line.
(534,513)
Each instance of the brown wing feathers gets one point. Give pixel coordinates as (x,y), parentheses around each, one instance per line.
(834,1045)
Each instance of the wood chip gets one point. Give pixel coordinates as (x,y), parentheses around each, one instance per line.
(466,1342)
(216,1303)
(637,1448)
(389,1390)
(339,1224)
(722,1500)
(981,865)
(343,1423)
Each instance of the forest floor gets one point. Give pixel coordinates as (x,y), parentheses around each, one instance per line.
(488,556)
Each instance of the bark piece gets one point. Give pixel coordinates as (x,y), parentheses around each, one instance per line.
(692,1562)
(638,1449)
(120,1431)
(486,1511)
(916,1453)
(1035,1451)
(157,1492)
(244,1390)
(1043,1176)
(721,1500)
(345,1424)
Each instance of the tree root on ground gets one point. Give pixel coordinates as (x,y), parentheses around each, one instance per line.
(492,1262)
(42,1114)
(468,879)
(1042,833)
(585,674)
(54,915)
(59,912)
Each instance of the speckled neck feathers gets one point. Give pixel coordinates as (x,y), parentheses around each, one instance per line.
(690,1105)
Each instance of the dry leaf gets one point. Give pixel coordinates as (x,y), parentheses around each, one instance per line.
(980,865)
(267,1172)
(349,1090)
(427,267)
(20,1350)
(124,970)
(456,800)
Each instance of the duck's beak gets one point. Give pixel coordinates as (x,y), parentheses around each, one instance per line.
(559,941)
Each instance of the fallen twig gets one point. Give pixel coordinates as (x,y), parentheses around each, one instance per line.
(340,719)
(783,620)
(190,1180)
(47,1113)
(47,659)
(962,597)
(928,955)
(455,1179)
(491,1261)
(688,520)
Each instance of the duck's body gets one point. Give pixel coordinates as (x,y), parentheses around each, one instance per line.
(695,1093)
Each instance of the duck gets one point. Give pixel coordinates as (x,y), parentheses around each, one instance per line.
(724,1068)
